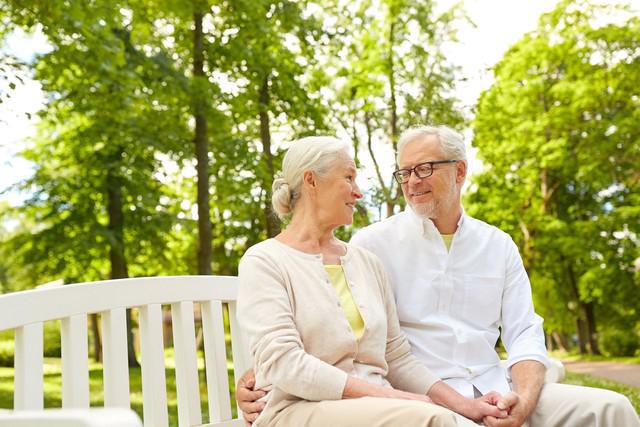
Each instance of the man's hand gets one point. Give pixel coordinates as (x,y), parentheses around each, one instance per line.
(516,406)
(528,378)
(247,397)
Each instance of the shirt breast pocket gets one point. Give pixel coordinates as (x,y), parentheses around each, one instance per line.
(417,297)
(483,300)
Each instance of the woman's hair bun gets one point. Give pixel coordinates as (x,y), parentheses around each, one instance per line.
(281,197)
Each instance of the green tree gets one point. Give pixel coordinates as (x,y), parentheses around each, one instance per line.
(558,134)
(95,194)
(265,48)
(391,73)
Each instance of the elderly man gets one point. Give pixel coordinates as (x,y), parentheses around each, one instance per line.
(460,285)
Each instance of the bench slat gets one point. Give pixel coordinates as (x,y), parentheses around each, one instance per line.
(94,297)
(239,349)
(216,361)
(25,311)
(28,362)
(184,341)
(154,384)
(75,363)
(115,360)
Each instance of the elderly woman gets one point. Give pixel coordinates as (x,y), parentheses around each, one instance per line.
(320,314)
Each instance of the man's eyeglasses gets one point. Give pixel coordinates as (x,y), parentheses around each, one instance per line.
(422,170)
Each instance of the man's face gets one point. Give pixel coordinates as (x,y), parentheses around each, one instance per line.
(431,197)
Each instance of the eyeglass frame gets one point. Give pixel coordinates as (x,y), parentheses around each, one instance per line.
(400,180)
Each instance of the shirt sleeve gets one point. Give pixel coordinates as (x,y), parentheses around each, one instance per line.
(266,317)
(406,372)
(522,332)
(360,239)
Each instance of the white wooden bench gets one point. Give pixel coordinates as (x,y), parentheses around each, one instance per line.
(26,311)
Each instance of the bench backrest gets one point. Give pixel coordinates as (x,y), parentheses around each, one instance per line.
(26,311)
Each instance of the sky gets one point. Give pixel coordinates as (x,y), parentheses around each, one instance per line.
(15,126)
(498,24)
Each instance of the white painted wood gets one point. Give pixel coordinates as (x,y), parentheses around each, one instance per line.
(241,360)
(94,297)
(94,417)
(215,354)
(184,342)
(72,304)
(154,385)
(115,360)
(28,361)
(75,362)
(53,284)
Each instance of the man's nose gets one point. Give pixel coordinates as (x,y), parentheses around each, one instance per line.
(414,178)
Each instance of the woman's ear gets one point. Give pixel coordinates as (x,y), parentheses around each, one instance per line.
(308,179)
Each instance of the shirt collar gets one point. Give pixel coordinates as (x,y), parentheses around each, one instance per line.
(426,225)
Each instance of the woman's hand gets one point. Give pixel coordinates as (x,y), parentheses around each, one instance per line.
(356,387)
(399,394)
(474,409)
(485,406)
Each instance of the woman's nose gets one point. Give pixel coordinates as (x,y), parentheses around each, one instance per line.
(356,191)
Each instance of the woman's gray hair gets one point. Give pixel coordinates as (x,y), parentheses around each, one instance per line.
(451,141)
(316,154)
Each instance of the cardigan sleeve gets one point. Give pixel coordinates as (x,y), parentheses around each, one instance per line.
(406,372)
(265,315)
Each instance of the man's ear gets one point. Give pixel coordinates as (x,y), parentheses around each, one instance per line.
(461,171)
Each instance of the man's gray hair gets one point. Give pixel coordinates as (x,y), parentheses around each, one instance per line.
(451,141)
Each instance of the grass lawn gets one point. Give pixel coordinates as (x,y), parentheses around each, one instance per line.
(53,388)
(632,393)
(572,357)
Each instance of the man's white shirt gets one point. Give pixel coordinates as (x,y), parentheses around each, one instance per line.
(453,303)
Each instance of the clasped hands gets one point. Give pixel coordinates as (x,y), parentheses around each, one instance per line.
(512,408)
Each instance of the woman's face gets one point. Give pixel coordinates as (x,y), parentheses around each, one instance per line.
(337,193)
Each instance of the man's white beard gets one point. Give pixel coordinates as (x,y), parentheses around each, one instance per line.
(426,210)
(433,208)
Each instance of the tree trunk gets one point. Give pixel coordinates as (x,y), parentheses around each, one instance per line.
(393,119)
(393,104)
(386,191)
(559,341)
(116,250)
(590,323)
(272,221)
(95,330)
(548,340)
(202,149)
(582,335)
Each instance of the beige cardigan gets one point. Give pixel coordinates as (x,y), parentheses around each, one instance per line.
(299,337)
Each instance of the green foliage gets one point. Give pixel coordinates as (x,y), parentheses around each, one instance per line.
(117,134)
(615,342)
(6,349)
(558,135)
(51,345)
(387,71)
(633,393)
